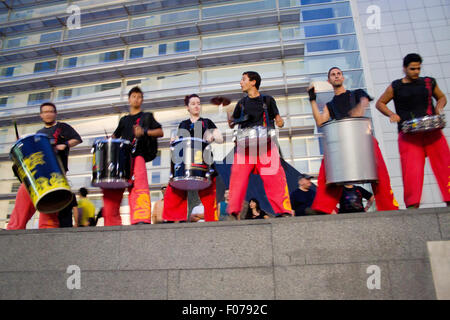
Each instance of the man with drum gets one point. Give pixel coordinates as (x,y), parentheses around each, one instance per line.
(175,200)
(63,137)
(347,104)
(252,111)
(136,127)
(413,100)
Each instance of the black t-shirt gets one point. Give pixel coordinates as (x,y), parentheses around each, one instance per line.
(65,215)
(300,200)
(262,214)
(253,109)
(341,105)
(351,199)
(125,130)
(414,99)
(195,129)
(61,133)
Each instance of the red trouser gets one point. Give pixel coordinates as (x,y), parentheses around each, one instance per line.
(268,166)
(175,203)
(328,196)
(413,150)
(138,198)
(24,210)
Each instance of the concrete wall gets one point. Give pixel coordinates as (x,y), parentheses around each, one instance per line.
(316,257)
(406,26)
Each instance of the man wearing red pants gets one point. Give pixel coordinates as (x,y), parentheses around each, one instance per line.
(348,104)
(136,127)
(63,137)
(256,110)
(175,200)
(413,98)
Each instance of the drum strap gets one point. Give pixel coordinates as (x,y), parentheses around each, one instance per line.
(428,85)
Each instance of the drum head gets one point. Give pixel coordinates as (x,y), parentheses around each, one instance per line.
(188,184)
(54,201)
(111,184)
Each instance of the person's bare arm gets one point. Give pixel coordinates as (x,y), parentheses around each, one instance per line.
(441,100)
(382,102)
(360,108)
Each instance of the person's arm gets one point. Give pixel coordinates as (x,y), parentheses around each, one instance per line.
(75,214)
(382,102)
(369,203)
(319,117)
(154,129)
(441,100)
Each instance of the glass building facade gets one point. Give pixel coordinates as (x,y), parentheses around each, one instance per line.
(169,49)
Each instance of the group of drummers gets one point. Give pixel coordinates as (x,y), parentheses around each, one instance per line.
(119,162)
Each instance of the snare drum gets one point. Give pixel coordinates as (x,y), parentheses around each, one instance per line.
(254,135)
(427,123)
(111,163)
(42,173)
(190,164)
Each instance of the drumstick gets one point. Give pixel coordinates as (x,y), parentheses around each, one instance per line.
(15,127)
(106,133)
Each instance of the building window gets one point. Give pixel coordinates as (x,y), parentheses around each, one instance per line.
(162,48)
(7,72)
(38,98)
(156,177)
(157,161)
(70,62)
(182,46)
(45,66)
(3,102)
(136,53)
(112,56)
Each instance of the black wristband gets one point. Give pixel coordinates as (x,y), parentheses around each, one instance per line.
(312,94)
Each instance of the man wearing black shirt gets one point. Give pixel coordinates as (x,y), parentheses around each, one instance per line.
(257,110)
(303,197)
(63,137)
(175,200)
(351,199)
(136,127)
(343,105)
(413,98)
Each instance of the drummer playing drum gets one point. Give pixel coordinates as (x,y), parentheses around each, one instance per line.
(413,98)
(175,200)
(135,127)
(347,104)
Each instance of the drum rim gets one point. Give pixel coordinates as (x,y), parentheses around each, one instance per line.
(28,136)
(109,180)
(190,178)
(53,190)
(343,120)
(188,138)
(112,140)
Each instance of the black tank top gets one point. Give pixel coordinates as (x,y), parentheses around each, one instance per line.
(415,99)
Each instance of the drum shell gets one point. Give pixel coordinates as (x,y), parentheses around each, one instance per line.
(42,173)
(349,152)
(111,163)
(189,170)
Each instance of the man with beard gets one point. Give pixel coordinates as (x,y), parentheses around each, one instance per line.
(347,104)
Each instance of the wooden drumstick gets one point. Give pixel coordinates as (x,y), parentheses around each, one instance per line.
(15,128)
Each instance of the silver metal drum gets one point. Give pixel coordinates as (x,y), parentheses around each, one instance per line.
(348,151)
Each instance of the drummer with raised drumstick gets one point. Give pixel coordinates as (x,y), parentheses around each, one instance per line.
(63,137)
(175,200)
(142,130)
(413,99)
(259,113)
(347,104)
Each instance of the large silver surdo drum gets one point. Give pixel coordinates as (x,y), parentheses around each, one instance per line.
(348,151)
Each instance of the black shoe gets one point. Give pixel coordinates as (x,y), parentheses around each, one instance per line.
(282,215)
(141,223)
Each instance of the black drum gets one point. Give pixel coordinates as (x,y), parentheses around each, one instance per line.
(190,164)
(42,173)
(111,163)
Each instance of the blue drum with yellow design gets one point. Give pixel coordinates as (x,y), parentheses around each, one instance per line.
(42,172)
